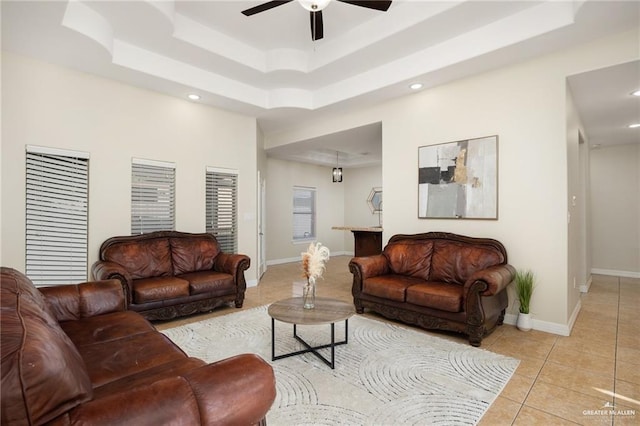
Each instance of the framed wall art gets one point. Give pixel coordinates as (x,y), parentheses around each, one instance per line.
(459,180)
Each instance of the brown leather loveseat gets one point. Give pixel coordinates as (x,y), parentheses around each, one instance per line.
(73,355)
(168,274)
(436,280)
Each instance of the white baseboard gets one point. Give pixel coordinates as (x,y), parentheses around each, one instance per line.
(299,259)
(285,260)
(252,283)
(615,273)
(546,326)
(584,288)
(574,316)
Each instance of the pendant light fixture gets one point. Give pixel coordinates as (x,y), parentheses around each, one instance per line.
(337,171)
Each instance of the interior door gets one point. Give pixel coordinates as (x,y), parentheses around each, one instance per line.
(262,263)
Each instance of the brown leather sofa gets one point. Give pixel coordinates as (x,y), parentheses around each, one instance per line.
(73,355)
(168,274)
(436,280)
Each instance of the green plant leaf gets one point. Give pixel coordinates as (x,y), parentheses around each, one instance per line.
(525,284)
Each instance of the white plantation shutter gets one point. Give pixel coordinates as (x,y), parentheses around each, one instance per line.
(153,188)
(57,195)
(221,206)
(304,213)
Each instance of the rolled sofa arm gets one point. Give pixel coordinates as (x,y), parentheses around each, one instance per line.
(231,263)
(105,270)
(235,391)
(369,266)
(73,302)
(497,279)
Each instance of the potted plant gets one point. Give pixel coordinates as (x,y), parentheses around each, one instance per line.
(524,290)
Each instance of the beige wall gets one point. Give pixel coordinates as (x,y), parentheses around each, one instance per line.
(615,210)
(357,187)
(343,204)
(52,106)
(282,176)
(526,106)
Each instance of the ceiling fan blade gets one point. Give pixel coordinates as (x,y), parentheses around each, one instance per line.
(371,4)
(264,6)
(317,30)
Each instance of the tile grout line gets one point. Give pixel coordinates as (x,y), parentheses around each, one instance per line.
(615,352)
(546,359)
(551,350)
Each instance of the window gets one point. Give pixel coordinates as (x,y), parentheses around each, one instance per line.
(304,213)
(222,201)
(57,199)
(153,190)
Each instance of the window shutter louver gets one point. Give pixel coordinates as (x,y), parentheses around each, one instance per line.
(221,214)
(152,197)
(304,213)
(57,199)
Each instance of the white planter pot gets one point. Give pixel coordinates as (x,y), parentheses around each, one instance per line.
(524,322)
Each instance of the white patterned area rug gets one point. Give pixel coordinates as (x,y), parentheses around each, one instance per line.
(384,375)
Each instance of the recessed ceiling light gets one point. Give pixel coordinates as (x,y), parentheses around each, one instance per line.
(634,125)
(416,86)
(636,93)
(194,97)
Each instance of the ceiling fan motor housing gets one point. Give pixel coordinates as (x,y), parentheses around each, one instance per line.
(314,5)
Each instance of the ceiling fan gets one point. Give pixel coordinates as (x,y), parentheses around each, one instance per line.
(315,10)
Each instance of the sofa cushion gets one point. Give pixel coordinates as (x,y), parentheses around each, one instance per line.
(209,282)
(436,295)
(116,359)
(142,259)
(173,368)
(43,374)
(160,288)
(455,262)
(390,286)
(107,327)
(412,258)
(193,254)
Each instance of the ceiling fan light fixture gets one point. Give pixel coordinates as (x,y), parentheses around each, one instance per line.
(314,5)
(636,93)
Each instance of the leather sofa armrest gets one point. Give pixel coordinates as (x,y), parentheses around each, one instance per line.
(231,263)
(235,391)
(497,279)
(369,266)
(73,302)
(104,270)
(363,268)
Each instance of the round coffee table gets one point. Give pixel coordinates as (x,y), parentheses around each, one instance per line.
(326,311)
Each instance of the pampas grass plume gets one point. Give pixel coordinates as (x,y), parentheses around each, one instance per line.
(313,261)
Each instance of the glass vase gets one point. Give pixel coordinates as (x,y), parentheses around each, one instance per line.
(309,294)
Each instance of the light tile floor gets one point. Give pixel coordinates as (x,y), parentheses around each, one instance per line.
(560,380)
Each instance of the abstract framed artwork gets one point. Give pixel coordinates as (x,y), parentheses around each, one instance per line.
(459,180)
